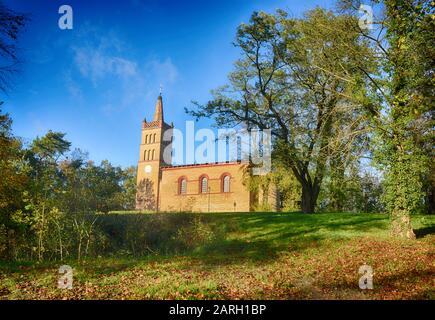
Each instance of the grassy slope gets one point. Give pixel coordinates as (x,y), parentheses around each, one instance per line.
(260,256)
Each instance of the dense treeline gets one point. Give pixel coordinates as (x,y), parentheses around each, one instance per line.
(47,193)
(343,190)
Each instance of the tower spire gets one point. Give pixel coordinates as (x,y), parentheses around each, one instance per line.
(158,113)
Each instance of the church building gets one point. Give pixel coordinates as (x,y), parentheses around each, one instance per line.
(209,187)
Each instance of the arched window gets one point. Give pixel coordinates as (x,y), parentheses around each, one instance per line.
(144,155)
(182,185)
(146,139)
(203,184)
(152,157)
(154,138)
(148,154)
(226,183)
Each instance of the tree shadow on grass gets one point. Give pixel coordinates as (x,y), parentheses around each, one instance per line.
(256,237)
(266,235)
(93,265)
(233,252)
(313,221)
(107,267)
(422,232)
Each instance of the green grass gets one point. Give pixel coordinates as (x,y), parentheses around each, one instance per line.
(253,256)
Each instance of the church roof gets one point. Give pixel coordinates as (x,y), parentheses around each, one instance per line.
(209,164)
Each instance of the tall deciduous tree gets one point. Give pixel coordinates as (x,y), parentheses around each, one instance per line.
(44,156)
(400,100)
(286,81)
(13,182)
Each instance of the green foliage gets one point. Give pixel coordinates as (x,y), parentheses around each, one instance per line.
(288,187)
(292,79)
(352,192)
(13,182)
(143,234)
(262,207)
(411,103)
(403,183)
(259,185)
(44,192)
(195,234)
(403,125)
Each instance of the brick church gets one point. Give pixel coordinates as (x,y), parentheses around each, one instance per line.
(163,187)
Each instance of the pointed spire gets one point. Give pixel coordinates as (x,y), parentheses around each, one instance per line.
(158,114)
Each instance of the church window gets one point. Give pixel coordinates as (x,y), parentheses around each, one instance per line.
(226,183)
(182,186)
(204,185)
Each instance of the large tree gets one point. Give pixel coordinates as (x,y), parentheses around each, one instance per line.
(400,100)
(13,182)
(286,81)
(88,187)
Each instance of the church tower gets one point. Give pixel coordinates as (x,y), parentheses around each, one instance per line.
(152,159)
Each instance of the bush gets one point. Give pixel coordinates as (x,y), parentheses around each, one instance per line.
(195,234)
(78,236)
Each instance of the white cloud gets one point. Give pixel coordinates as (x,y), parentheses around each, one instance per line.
(96,64)
(73,88)
(164,70)
(104,56)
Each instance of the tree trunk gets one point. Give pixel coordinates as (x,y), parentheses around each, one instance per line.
(431,199)
(9,243)
(404,191)
(401,225)
(309,198)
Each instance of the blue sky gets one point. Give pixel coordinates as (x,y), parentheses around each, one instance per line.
(98,81)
